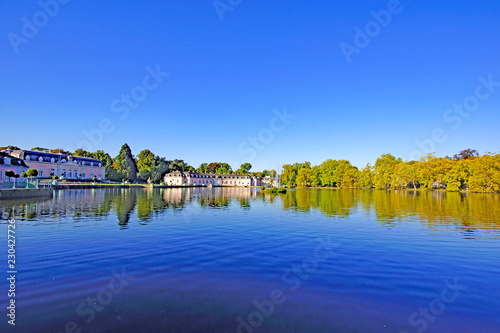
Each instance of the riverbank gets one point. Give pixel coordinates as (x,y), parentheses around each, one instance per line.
(22,193)
(389,189)
(91,185)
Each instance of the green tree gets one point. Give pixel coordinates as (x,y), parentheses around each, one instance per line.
(485,174)
(304,177)
(366,177)
(203,168)
(289,175)
(316,176)
(125,163)
(216,167)
(179,165)
(30,173)
(432,171)
(9,173)
(146,163)
(107,163)
(405,174)
(459,175)
(82,153)
(244,168)
(160,169)
(384,170)
(345,175)
(328,169)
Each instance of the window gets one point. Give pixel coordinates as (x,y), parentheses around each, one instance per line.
(69,173)
(83,174)
(52,171)
(63,172)
(40,172)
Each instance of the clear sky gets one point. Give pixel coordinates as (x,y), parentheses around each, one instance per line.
(354,87)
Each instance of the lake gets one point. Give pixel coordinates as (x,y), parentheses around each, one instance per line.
(234,260)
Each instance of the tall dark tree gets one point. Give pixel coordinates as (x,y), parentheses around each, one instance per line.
(125,163)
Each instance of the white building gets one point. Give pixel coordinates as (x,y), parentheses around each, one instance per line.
(187,178)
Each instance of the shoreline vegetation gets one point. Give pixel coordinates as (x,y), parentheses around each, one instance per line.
(467,171)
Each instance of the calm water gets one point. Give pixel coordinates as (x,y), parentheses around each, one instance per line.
(232,260)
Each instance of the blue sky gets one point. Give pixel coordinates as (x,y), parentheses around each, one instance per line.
(225,78)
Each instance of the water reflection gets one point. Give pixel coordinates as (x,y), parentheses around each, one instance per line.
(469,212)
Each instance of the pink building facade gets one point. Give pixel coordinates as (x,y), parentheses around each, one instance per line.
(8,162)
(61,165)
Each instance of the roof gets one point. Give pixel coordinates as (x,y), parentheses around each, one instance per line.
(23,153)
(13,161)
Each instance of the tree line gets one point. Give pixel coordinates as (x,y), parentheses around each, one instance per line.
(146,166)
(466,170)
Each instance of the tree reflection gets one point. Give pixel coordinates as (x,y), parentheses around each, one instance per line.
(124,203)
(332,202)
(467,212)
